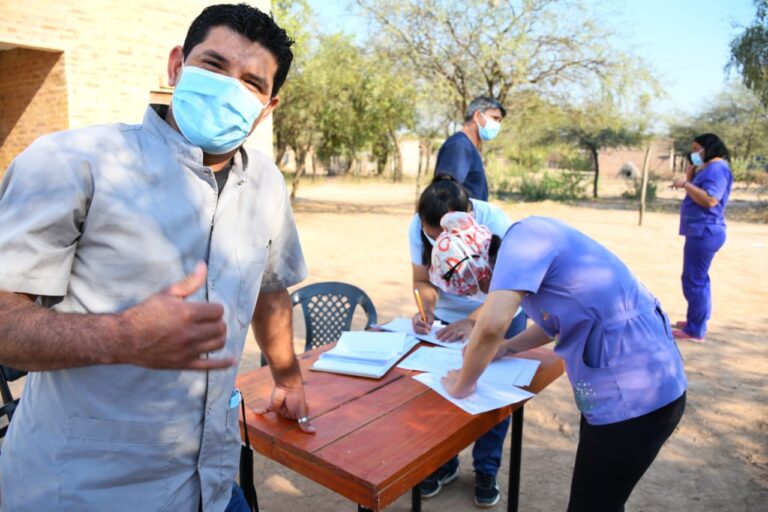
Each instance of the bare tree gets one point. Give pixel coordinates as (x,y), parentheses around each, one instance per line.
(498,48)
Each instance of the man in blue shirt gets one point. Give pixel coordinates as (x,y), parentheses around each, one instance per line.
(459,156)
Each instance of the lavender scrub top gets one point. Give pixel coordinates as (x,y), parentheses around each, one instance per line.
(615,340)
(697,221)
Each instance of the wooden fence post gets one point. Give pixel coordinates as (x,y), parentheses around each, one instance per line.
(644,184)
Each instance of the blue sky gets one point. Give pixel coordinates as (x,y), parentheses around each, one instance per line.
(686,42)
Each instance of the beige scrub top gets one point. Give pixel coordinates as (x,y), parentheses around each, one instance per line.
(96,220)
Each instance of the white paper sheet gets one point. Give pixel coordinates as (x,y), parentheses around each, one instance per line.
(504,372)
(432,359)
(401,324)
(368,345)
(510,370)
(486,397)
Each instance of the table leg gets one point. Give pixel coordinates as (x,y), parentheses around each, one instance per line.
(515,455)
(416,499)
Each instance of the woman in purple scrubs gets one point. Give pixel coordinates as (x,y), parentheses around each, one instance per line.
(702,223)
(624,366)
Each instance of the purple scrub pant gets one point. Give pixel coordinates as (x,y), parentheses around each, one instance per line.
(697,258)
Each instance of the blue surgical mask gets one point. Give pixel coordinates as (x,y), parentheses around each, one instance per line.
(213,111)
(696,159)
(490,130)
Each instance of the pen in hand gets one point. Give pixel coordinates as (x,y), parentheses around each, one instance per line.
(420,305)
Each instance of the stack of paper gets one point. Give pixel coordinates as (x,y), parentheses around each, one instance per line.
(365,353)
(404,325)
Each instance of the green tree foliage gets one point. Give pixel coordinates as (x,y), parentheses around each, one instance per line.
(595,125)
(295,116)
(535,56)
(365,103)
(737,116)
(749,53)
(506,49)
(338,100)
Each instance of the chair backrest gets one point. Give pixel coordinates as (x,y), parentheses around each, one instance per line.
(8,375)
(328,310)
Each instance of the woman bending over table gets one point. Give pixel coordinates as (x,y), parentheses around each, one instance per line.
(622,361)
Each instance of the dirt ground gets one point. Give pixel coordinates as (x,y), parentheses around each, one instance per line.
(717,460)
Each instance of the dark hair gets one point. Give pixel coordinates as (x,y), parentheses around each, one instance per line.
(251,23)
(713,146)
(484,104)
(493,250)
(443,195)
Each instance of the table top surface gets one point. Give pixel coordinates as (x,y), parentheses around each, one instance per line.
(376,439)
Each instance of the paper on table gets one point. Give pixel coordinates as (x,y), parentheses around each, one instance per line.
(401,324)
(368,345)
(365,354)
(504,372)
(432,359)
(486,397)
(510,370)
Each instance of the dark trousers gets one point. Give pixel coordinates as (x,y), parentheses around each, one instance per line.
(697,258)
(612,458)
(486,453)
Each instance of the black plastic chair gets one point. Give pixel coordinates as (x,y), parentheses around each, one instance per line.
(328,311)
(10,403)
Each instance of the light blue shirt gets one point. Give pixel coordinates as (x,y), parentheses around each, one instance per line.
(450,307)
(610,330)
(96,220)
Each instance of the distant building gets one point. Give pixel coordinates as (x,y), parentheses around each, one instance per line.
(76,63)
(628,162)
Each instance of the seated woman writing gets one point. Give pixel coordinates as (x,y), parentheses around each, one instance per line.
(442,196)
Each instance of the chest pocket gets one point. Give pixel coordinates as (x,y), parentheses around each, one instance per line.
(251,262)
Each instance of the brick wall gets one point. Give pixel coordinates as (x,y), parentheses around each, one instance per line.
(115,52)
(612,160)
(33,99)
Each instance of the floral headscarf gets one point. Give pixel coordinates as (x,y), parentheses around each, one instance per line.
(460,255)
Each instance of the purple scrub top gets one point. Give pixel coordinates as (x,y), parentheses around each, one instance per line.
(715,179)
(609,329)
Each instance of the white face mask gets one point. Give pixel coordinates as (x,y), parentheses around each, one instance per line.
(429,238)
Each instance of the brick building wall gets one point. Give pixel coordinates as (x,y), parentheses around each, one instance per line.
(660,163)
(33,98)
(111,55)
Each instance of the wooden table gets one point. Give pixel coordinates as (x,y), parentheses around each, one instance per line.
(377,439)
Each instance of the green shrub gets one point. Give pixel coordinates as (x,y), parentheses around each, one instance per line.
(575,163)
(560,186)
(635,191)
(749,171)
